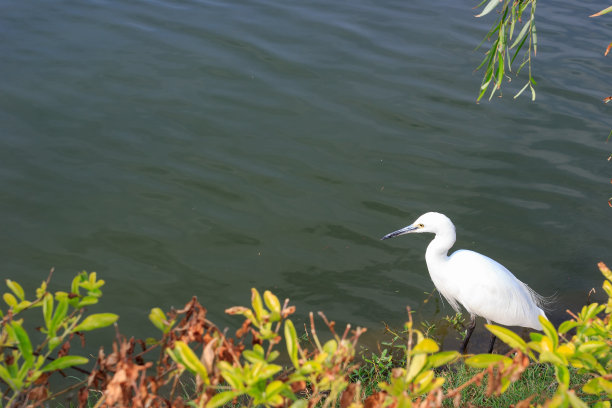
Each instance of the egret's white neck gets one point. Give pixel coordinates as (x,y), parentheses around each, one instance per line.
(437,250)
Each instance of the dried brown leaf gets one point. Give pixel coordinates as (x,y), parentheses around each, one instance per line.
(375,400)
(348,396)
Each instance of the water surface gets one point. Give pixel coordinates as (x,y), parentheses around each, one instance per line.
(206,147)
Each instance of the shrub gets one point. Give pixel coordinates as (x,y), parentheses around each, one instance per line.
(194,363)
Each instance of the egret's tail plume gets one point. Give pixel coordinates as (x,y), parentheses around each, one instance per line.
(544,302)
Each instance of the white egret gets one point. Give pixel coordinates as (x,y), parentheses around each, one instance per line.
(481,285)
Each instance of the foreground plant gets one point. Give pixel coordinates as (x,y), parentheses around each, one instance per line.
(25,367)
(194,363)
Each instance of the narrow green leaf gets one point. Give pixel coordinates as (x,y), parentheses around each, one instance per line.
(551,357)
(292,343)
(257,304)
(253,357)
(7,378)
(521,91)
(64,362)
(16,288)
(485,360)
(158,318)
(60,313)
(521,35)
(87,301)
(592,346)
(602,12)
(190,360)
(275,387)
(416,366)
(563,375)
(23,342)
(575,401)
(444,357)
(47,310)
(567,326)
(221,399)
(273,304)
(508,336)
(269,370)
(489,7)
(96,321)
(550,331)
(74,288)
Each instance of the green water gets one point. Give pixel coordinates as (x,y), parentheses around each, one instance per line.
(202,148)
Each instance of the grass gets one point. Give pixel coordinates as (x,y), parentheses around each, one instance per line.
(538,380)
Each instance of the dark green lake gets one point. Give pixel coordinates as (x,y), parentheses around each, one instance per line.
(205,147)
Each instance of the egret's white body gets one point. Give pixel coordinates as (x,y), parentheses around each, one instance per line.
(481,285)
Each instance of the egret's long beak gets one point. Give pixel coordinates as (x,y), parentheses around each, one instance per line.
(402,231)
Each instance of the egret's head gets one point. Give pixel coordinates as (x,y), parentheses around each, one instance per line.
(429,222)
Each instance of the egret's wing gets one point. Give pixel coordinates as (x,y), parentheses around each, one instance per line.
(486,288)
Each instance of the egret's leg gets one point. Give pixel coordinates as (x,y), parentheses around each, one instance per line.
(492,343)
(468,335)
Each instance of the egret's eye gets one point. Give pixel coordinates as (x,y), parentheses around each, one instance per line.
(420,225)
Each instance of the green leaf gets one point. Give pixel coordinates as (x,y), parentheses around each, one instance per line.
(87,301)
(435,384)
(575,401)
(9,299)
(53,343)
(60,313)
(416,366)
(8,378)
(258,308)
(552,357)
(521,91)
(521,35)
(567,326)
(253,357)
(273,304)
(292,343)
(563,375)
(74,288)
(159,319)
(22,305)
(592,346)
(444,357)
(275,387)
(47,306)
(508,336)
(592,387)
(64,362)
(23,342)
(602,12)
(96,321)
(16,288)
(550,331)
(485,360)
(330,346)
(489,7)
(229,376)
(425,346)
(222,398)
(190,360)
